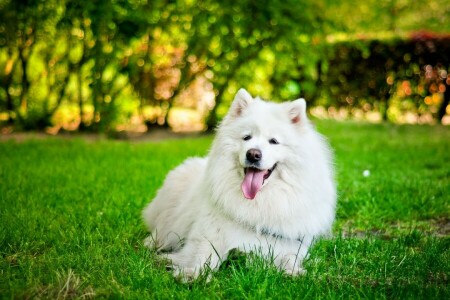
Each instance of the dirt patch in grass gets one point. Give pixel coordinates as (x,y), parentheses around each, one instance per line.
(439,227)
(443,227)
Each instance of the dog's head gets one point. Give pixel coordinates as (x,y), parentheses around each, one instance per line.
(261,138)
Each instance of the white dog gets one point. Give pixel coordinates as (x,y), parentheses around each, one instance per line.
(266,186)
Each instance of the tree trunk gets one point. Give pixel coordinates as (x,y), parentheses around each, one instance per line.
(384,109)
(7,80)
(82,125)
(212,120)
(444,104)
(25,82)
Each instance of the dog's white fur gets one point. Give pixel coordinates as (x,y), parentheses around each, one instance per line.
(200,213)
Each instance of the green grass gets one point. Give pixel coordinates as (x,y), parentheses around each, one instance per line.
(70,221)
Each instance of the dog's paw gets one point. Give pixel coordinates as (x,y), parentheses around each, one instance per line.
(185,275)
(150,242)
(292,266)
(298,271)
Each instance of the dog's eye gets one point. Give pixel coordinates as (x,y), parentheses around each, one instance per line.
(247,137)
(273,141)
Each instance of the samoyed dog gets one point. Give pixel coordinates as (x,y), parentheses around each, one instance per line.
(266,186)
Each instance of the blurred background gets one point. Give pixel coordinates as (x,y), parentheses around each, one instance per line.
(112,65)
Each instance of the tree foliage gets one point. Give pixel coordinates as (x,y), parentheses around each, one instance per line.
(376,74)
(98,63)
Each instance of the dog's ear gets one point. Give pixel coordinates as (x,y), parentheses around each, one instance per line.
(241,101)
(297,111)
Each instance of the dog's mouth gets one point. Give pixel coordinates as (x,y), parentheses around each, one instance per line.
(254,179)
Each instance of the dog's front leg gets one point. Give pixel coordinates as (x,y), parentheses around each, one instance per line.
(290,256)
(198,257)
(287,254)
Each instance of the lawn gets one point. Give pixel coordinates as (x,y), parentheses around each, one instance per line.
(71,228)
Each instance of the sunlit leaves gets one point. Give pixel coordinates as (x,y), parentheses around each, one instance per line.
(277,49)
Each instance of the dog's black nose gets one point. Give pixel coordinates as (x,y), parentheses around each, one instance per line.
(254,155)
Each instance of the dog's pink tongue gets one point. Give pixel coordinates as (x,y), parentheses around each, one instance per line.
(252,183)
